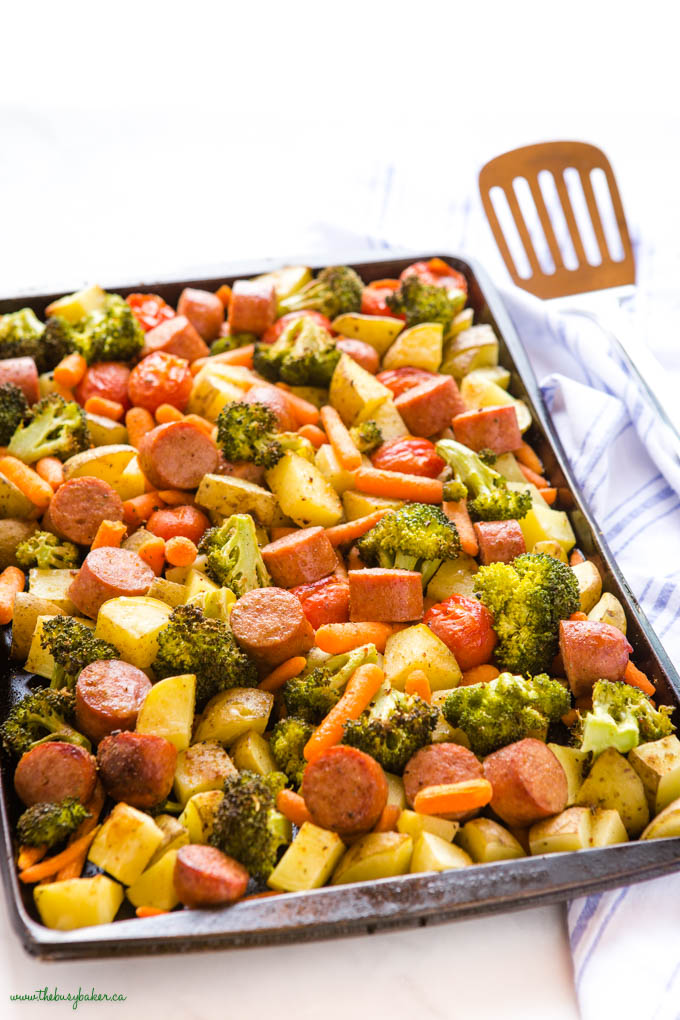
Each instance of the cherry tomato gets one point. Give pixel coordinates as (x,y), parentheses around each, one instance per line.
(274,331)
(437,272)
(374,298)
(466,628)
(401,379)
(108,379)
(412,456)
(150,310)
(160,378)
(178,521)
(324,601)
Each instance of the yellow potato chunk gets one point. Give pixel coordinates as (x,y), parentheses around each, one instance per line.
(78,902)
(133,624)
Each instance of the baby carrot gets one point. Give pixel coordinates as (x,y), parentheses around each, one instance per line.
(336,638)
(146,911)
(314,434)
(636,678)
(578,616)
(388,819)
(51,470)
(51,865)
(286,671)
(362,687)
(457,512)
(28,481)
(576,557)
(12,581)
(531,476)
(293,807)
(202,424)
(106,408)
(417,683)
(138,510)
(138,422)
(176,497)
(239,356)
(343,534)
(180,551)
(340,439)
(70,370)
(479,675)
(109,533)
(570,718)
(397,485)
(152,551)
(303,412)
(166,413)
(224,294)
(30,855)
(525,455)
(549,495)
(448,798)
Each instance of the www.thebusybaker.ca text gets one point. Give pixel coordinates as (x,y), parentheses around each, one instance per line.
(45,995)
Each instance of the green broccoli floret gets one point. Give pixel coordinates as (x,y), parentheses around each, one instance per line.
(57,428)
(193,643)
(304,355)
(367,436)
(234,557)
(335,290)
(287,741)
(527,599)
(109,334)
(416,537)
(44,550)
(489,498)
(425,302)
(43,715)
(247,825)
(248,432)
(454,491)
(392,729)
(291,442)
(622,717)
(14,410)
(73,646)
(20,335)
(49,823)
(506,709)
(312,695)
(487,456)
(231,342)
(56,342)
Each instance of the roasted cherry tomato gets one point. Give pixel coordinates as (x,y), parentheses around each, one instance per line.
(108,379)
(274,331)
(466,628)
(401,379)
(374,298)
(412,456)
(324,601)
(437,272)
(160,378)
(150,310)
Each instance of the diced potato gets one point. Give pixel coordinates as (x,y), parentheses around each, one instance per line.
(12,532)
(168,710)
(231,713)
(570,830)
(132,625)
(327,463)
(485,841)
(396,797)
(608,828)
(389,421)
(355,393)
(73,307)
(196,582)
(125,843)
(575,764)
(132,482)
(105,431)
(155,887)
(53,585)
(495,374)
(27,609)
(357,504)
(215,604)
(39,660)
(476,347)
(78,902)
(174,836)
(542,523)
(478,391)
(13,503)
(303,493)
(415,824)
(418,647)
(309,861)
(666,823)
(508,466)
(534,492)
(228,495)
(378,855)
(658,765)
(551,548)
(380,331)
(170,592)
(201,767)
(443,733)
(417,347)
(312,394)
(454,577)
(613,783)
(211,392)
(105,462)
(198,815)
(589,584)
(251,751)
(462,321)
(180,575)
(432,853)
(609,610)
(286,281)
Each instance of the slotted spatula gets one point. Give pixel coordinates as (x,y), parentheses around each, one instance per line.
(558,241)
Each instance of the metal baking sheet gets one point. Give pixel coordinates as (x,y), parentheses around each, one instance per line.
(410,900)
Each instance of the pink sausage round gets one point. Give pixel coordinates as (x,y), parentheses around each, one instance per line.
(204,311)
(80,505)
(528,782)
(176,336)
(53,771)
(361,352)
(107,573)
(592,651)
(252,308)
(430,406)
(205,877)
(491,428)
(499,541)
(109,695)
(385,596)
(21,372)
(177,455)
(300,558)
(276,401)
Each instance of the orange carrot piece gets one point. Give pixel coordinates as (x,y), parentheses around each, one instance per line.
(549,495)
(176,497)
(457,513)
(531,476)
(388,819)
(578,615)
(526,456)
(293,807)
(224,294)
(51,470)
(138,421)
(75,867)
(27,480)
(180,551)
(106,408)
(336,638)
(137,511)
(570,718)
(346,452)
(109,533)
(448,798)
(397,485)
(70,370)
(361,688)
(30,855)
(12,581)
(418,683)
(146,911)
(239,356)
(152,551)
(343,534)
(576,557)
(281,532)
(166,413)
(479,675)
(286,671)
(202,424)
(314,434)
(51,865)
(303,412)
(636,678)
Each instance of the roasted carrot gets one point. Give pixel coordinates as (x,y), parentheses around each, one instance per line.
(224,294)
(526,456)
(12,581)
(531,476)
(51,865)
(343,446)
(30,855)
(363,685)
(578,615)
(51,470)
(397,485)
(388,819)
(336,638)
(146,911)
(576,557)
(152,551)
(166,412)
(549,495)
(138,421)
(570,718)
(239,356)
(202,424)
(479,675)
(281,532)
(457,513)
(343,534)
(314,434)
(109,533)
(180,551)
(293,807)
(27,480)
(636,678)
(176,497)
(418,683)
(447,798)
(303,412)
(106,408)
(138,510)
(70,370)
(286,671)
(94,805)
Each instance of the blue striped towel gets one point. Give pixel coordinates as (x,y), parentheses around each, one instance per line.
(625,943)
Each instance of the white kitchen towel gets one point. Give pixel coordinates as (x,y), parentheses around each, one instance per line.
(625,943)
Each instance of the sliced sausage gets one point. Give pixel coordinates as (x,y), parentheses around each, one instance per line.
(528,782)
(270,626)
(300,558)
(325,601)
(108,379)
(499,541)
(108,573)
(430,406)
(590,652)
(23,373)
(205,877)
(177,455)
(252,307)
(204,311)
(435,764)
(240,469)
(385,596)
(176,336)
(53,771)
(80,505)
(401,379)
(276,401)
(109,695)
(138,768)
(345,790)
(361,352)
(491,428)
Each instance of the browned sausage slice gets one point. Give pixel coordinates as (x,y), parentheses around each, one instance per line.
(361,352)
(592,651)
(205,877)
(204,310)
(108,573)
(53,771)
(270,626)
(276,401)
(177,455)
(385,596)
(252,307)
(79,506)
(435,764)
(528,782)
(138,768)
(491,428)
(175,336)
(345,790)
(21,372)
(499,541)
(300,558)
(430,406)
(109,695)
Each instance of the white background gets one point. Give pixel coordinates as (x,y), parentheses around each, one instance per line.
(144,139)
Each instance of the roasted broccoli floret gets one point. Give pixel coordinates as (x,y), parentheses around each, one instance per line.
(489,498)
(506,709)
(335,290)
(622,717)
(14,410)
(20,335)
(291,442)
(392,729)
(416,537)
(49,823)
(527,599)
(454,491)
(73,646)
(44,550)
(287,741)
(234,557)
(192,643)
(43,715)
(304,355)
(312,695)
(56,342)
(108,334)
(248,432)
(231,342)
(367,436)
(487,456)
(425,302)
(247,825)
(57,428)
